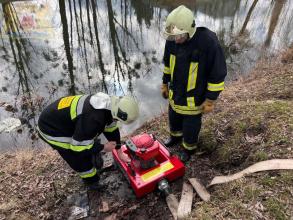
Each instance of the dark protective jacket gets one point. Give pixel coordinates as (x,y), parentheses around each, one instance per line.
(72,123)
(195,71)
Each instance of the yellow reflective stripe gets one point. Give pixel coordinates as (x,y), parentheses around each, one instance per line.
(190,101)
(59,144)
(89,173)
(65,102)
(67,146)
(176,133)
(157,171)
(185,110)
(214,87)
(193,69)
(74,106)
(172,65)
(189,146)
(79,148)
(111,129)
(167,70)
(170,94)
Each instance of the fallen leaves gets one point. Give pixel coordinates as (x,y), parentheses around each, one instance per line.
(27,189)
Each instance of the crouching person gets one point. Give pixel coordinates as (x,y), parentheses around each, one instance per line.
(71,124)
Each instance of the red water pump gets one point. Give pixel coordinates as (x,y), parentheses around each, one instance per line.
(151,164)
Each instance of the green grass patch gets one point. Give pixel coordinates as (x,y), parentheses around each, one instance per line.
(251,193)
(282,179)
(276,209)
(269,181)
(205,211)
(259,126)
(287,178)
(260,156)
(242,126)
(207,141)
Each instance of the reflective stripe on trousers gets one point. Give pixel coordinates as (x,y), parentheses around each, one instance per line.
(189,146)
(192,109)
(176,133)
(67,142)
(89,173)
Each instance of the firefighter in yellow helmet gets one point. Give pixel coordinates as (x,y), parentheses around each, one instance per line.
(193,77)
(71,124)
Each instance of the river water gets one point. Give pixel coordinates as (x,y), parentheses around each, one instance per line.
(51,48)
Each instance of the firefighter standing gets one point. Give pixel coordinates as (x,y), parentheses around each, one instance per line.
(71,124)
(193,78)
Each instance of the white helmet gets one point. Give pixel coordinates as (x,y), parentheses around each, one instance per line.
(179,22)
(124,109)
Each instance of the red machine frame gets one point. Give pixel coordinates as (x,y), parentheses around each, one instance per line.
(168,167)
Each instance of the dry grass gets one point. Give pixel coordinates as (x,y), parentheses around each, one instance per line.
(253,122)
(287,56)
(34,184)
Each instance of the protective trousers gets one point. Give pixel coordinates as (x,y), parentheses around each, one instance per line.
(187,126)
(81,162)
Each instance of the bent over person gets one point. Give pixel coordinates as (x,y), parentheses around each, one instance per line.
(193,78)
(71,124)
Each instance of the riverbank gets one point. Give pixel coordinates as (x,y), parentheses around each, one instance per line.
(253,121)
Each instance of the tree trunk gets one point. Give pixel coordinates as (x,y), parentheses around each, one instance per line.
(67,45)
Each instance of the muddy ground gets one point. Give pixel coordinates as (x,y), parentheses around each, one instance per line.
(119,201)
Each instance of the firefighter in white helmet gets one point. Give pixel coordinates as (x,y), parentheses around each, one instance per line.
(193,77)
(71,124)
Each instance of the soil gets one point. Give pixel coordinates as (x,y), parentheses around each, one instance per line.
(123,204)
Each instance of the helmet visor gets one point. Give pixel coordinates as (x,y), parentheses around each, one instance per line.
(172,33)
(176,37)
(121,115)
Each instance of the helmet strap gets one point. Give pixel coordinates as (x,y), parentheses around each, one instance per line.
(193,24)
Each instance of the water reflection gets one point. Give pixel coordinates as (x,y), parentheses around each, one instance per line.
(21,49)
(53,48)
(248,16)
(100,56)
(18,47)
(67,45)
(277,9)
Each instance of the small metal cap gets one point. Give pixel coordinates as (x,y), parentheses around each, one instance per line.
(164,187)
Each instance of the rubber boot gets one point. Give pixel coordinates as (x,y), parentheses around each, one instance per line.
(172,141)
(94,185)
(185,155)
(97,187)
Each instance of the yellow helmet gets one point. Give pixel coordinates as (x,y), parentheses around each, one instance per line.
(179,22)
(124,109)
